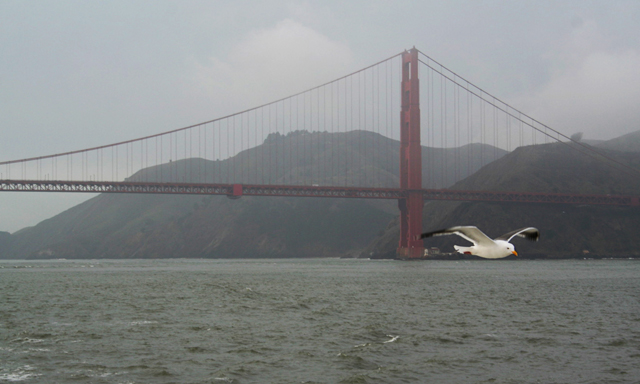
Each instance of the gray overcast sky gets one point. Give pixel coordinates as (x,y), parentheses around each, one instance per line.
(75,74)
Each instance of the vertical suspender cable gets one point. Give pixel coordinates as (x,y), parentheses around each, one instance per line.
(432,129)
(318,174)
(304,138)
(456,133)
(346,141)
(270,153)
(291,143)
(277,174)
(495,131)
(443,133)
(324,135)
(239,178)
(227,155)
(255,124)
(482,132)
(297,141)
(387,114)
(264,145)
(155,147)
(310,138)
(371,147)
(363,126)
(521,137)
(234,146)
(332,137)
(469,135)
(508,132)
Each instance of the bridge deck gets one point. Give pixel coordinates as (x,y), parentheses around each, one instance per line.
(238,190)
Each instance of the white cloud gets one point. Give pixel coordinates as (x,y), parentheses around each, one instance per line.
(270,64)
(593,87)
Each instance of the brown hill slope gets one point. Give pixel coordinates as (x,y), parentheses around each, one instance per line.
(567,230)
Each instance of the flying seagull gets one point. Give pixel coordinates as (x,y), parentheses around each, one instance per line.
(484,246)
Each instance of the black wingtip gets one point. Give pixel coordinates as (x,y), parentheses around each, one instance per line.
(534,236)
(429,234)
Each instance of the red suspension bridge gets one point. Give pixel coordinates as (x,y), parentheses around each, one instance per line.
(340,139)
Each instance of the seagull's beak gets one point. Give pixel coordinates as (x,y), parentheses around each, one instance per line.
(515,253)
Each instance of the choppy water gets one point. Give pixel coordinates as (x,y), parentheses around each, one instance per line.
(319,321)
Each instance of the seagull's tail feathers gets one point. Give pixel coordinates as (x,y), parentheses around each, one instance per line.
(463,250)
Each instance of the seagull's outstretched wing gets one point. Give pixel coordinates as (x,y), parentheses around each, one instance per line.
(473,234)
(530,233)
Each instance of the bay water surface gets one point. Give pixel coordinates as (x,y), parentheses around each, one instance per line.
(319,321)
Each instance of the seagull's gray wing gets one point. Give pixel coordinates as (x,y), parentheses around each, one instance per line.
(530,233)
(473,234)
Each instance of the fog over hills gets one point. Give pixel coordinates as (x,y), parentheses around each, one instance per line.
(625,143)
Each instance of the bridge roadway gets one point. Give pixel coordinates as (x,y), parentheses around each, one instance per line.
(239,190)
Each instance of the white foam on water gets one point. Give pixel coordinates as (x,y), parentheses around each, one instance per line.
(143,322)
(39,350)
(20,374)
(93,373)
(393,338)
(62,324)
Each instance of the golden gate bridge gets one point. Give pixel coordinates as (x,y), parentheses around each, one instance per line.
(341,139)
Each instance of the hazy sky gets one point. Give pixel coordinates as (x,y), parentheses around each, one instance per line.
(75,74)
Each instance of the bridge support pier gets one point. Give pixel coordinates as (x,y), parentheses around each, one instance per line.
(410,247)
(410,206)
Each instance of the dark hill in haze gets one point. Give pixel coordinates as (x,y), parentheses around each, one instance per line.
(566,230)
(5,240)
(625,143)
(153,226)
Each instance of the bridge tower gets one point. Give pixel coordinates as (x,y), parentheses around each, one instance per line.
(410,247)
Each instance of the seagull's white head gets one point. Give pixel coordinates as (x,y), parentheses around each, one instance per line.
(507,247)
